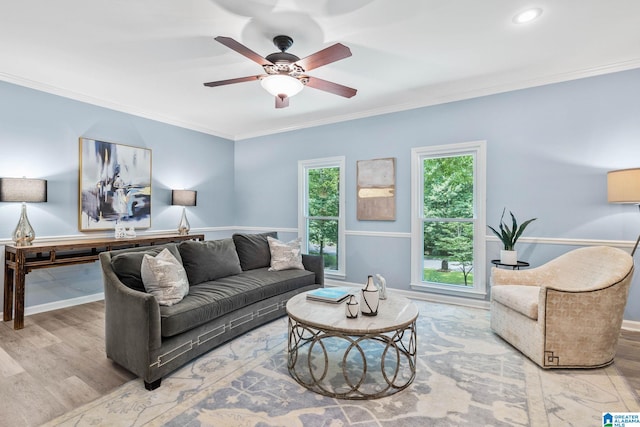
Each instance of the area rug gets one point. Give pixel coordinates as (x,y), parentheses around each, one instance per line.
(466,376)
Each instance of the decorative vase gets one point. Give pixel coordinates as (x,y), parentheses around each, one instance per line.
(382,286)
(370,298)
(352,307)
(509,257)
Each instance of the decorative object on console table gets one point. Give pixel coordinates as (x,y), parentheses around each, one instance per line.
(370,298)
(26,191)
(120,231)
(509,237)
(352,307)
(623,186)
(115,185)
(184,198)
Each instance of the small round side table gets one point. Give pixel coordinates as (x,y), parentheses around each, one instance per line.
(517,266)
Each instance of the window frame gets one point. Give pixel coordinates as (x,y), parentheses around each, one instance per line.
(303,167)
(418,155)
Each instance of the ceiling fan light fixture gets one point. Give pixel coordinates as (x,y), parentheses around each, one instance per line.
(281,84)
(527,16)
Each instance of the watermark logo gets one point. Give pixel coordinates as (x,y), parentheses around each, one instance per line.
(621,419)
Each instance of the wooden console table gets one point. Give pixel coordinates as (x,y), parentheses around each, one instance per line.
(20,260)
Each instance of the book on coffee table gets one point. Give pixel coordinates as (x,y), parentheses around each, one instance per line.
(332,295)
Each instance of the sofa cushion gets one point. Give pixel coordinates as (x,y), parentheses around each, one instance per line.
(164,277)
(523,299)
(127,264)
(210,300)
(253,249)
(210,260)
(285,256)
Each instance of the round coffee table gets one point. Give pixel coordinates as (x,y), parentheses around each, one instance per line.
(363,358)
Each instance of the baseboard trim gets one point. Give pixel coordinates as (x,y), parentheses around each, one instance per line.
(57,305)
(631,325)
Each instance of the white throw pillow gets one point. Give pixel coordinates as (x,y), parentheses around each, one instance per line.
(164,277)
(285,256)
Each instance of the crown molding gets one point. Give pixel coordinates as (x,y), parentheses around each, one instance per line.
(475,91)
(105,103)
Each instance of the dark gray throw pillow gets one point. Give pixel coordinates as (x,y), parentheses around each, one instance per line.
(253,249)
(210,260)
(127,264)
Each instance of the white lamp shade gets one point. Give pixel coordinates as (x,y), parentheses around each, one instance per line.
(623,186)
(184,197)
(281,84)
(23,190)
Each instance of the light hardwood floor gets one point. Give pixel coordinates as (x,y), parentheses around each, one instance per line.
(57,363)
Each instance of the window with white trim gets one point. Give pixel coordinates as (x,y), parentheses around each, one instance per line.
(321,218)
(448,218)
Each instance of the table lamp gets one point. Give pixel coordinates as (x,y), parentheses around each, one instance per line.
(623,186)
(26,191)
(183,198)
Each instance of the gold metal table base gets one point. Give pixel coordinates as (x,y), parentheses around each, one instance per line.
(315,361)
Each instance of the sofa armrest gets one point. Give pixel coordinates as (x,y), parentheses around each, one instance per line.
(314,263)
(132,321)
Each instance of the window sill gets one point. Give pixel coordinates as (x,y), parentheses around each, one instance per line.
(335,275)
(449,290)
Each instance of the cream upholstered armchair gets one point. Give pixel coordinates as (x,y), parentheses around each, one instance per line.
(566,313)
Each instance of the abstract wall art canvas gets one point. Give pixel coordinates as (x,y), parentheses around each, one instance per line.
(114,186)
(376,189)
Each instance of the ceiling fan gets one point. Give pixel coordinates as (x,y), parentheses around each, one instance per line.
(285,73)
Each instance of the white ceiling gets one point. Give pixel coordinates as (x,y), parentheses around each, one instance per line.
(151,57)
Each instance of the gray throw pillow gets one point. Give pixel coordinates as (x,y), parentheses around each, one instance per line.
(127,264)
(285,256)
(210,260)
(253,249)
(164,277)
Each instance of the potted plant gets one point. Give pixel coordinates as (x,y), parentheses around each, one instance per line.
(509,237)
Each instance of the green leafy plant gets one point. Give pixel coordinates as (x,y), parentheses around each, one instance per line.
(509,236)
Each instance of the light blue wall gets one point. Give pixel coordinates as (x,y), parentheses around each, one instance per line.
(548,151)
(39,138)
(548,148)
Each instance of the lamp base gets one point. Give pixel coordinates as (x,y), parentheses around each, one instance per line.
(183,226)
(24,234)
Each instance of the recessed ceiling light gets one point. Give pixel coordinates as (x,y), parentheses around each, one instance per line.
(527,16)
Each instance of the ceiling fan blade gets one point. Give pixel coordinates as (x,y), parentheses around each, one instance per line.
(331,87)
(243,50)
(232,81)
(282,102)
(325,56)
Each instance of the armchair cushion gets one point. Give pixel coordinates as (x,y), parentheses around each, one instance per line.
(523,299)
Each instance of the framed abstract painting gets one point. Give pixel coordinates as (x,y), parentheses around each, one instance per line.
(114,186)
(376,185)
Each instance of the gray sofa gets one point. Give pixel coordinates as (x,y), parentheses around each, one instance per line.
(231,291)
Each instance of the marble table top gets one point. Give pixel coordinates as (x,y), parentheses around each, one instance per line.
(394,313)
